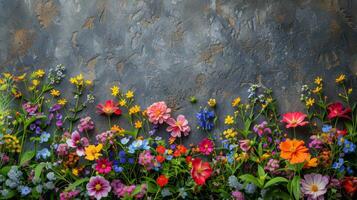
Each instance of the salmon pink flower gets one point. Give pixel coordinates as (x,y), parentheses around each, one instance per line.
(77,142)
(206,146)
(108,108)
(103,166)
(98,187)
(314,186)
(294,119)
(336,110)
(178,127)
(158,112)
(200,171)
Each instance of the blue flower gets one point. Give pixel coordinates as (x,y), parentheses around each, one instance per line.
(326,128)
(339,165)
(250,188)
(118,169)
(44,137)
(131,160)
(349,170)
(139,145)
(169,157)
(43,153)
(124,141)
(349,147)
(25,190)
(205,119)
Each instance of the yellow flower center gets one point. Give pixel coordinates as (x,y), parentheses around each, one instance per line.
(98,186)
(314,188)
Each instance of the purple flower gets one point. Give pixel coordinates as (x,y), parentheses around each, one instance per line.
(262,128)
(55,108)
(30,108)
(315,142)
(272,165)
(85,124)
(237,195)
(313,186)
(98,187)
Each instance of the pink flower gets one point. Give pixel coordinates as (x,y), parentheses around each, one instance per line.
(158,112)
(206,146)
(244,145)
(105,137)
(77,142)
(85,124)
(178,127)
(314,186)
(62,149)
(103,166)
(146,159)
(294,119)
(337,110)
(121,190)
(68,195)
(261,128)
(237,195)
(98,187)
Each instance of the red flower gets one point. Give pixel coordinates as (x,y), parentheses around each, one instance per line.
(206,146)
(200,171)
(162,180)
(341,132)
(160,159)
(189,160)
(294,119)
(103,166)
(182,149)
(350,185)
(337,110)
(160,149)
(108,108)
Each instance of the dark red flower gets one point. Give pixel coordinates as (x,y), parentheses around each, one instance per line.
(341,132)
(108,108)
(200,171)
(350,185)
(337,110)
(162,180)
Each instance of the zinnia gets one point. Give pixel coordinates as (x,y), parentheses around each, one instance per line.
(200,171)
(93,152)
(108,108)
(98,187)
(337,110)
(294,151)
(162,180)
(178,127)
(314,185)
(294,119)
(158,112)
(103,166)
(206,146)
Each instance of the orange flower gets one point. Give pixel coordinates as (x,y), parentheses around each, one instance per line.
(294,151)
(310,162)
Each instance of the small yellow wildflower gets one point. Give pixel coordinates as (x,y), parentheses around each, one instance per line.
(310,102)
(135,109)
(138,124)
(115,90)
(230,133)
(39,73)
(318,89)
(77,80)
(117,129)
(229,120)
(89,82)
(318,80)
(75,171)
(212,102)
(236,102)
(340,79)
(122,102)
(169,151)
(62,101)
(7,75)
(55,92)
(349,91)
(129,94)
(21,77)
(93,152)
(35,82)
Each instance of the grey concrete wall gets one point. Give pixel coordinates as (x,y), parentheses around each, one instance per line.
(172,49)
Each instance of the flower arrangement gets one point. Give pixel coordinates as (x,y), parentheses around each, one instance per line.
(51,150)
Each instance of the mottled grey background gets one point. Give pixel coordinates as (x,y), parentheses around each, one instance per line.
(172,49)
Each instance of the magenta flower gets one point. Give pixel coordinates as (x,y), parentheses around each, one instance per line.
(313,186)
(158,112)
(77,142)
(98,187)
(261,128)
(62,149)
(206,146)
(178,127)
(103,166)
(244,145)
(69,195)
(31,109)
(105,137)
(85,124)
(146,159)
(237,195)
(121,190)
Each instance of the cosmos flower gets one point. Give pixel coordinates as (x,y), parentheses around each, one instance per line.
(294,119)
(336,110)
(103,166)
(206,146)
(98,187)
(78,143)
(176,127)
(314,185)
(108,108)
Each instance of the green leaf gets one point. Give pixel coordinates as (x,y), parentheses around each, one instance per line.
(78,182)
(38,170)
(152,186)
(27,156)
(261,171)
(294,187)
(5,170)
(250,179)
(275,181)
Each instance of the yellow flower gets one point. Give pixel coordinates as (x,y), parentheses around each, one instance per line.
(228,120)
(122,102)
(212,102)
(55,93)
(7,75)
(340,79)
(230,133)
(265,156)
(169,151)
(75,171)
(115,90)
(318,80)
(310,102)
(138,124)
(77,80)
(349,91)
(89,82)
(117,129)
(35,82)
(39,73)
(129,94)
(93,152)
(62,101)
(317,89)
(134,109)
(236,102)
(21,77)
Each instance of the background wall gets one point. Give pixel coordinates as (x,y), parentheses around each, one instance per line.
(172,49)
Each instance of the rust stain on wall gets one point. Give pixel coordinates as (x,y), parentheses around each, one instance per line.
(91,67)
(89,23)
(22,40)
(46,11)
(208,55)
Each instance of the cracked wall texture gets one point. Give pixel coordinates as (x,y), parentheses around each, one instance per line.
(173,49)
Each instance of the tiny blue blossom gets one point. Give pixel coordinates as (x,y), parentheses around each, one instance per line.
(43,154)
(44,137)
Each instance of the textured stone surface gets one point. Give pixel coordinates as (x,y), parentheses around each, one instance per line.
(172,49)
